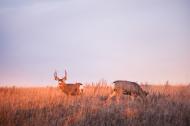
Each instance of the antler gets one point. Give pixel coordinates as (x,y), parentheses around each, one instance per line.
(65,77)
(55,75)
(60,79)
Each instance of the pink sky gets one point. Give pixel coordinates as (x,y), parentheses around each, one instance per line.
(135,40)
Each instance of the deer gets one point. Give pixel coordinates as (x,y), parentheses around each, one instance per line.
(72,89)
(122,87)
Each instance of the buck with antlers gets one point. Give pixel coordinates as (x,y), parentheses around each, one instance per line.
(68,89)
(121,87)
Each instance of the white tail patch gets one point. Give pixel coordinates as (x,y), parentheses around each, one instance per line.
(81,87)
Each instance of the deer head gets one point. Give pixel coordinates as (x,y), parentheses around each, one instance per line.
(60,80)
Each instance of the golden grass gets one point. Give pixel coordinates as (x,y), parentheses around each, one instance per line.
(165,105)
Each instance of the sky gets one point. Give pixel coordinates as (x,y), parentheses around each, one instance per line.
(135,40)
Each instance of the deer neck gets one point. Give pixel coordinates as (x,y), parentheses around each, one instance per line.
(62,85)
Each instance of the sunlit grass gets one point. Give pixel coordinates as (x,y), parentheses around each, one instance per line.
(165,105)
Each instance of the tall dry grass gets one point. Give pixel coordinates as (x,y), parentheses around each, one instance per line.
(165,106)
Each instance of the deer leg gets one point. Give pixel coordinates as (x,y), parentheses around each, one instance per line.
(143,97)
(111,95)
(117,98)
(132,98)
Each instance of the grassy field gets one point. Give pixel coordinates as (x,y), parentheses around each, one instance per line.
(165,106)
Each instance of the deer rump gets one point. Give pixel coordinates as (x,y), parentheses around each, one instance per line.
(128,88)
(71,89)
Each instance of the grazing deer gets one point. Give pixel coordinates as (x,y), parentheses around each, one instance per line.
(127,88)
(68,89)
